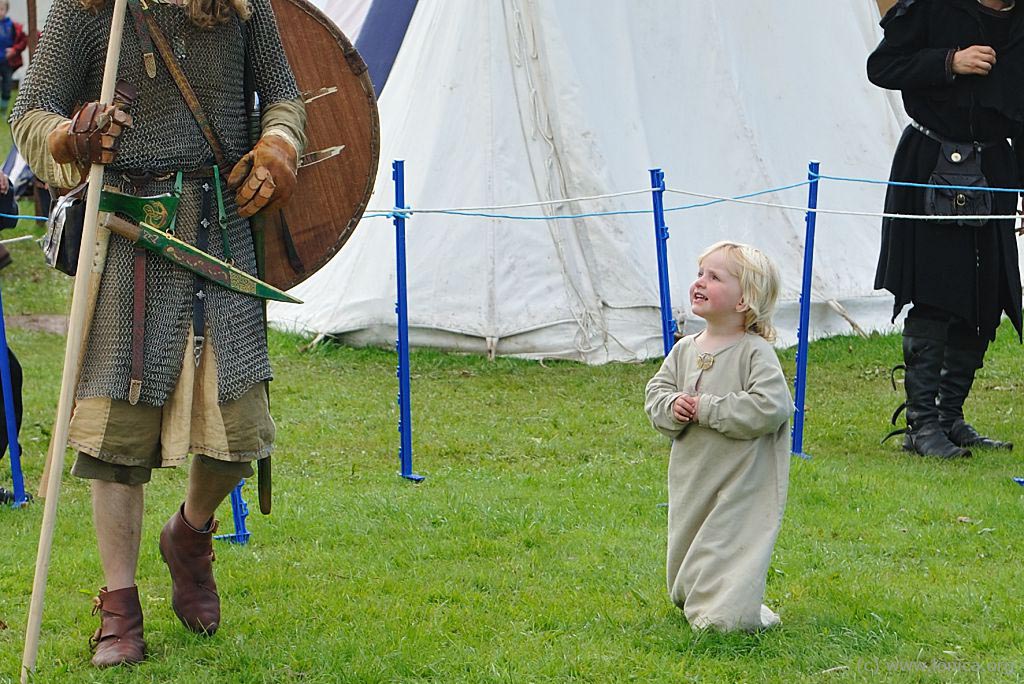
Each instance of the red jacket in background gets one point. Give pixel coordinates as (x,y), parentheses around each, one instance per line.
(19,45)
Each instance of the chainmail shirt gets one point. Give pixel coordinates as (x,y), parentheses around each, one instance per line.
(67,70)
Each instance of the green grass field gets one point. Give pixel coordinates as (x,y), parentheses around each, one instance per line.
(534,550)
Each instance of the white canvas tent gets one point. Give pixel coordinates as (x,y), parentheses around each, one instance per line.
(347,14)
(503,101)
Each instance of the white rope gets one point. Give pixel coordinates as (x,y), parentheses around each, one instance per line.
(23,238)
(523,205)
(701,195)
(840,212)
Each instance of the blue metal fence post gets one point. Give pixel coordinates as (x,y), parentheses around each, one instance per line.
(13,446)
(402,343)
(239,512)
(668,323)
(800,385)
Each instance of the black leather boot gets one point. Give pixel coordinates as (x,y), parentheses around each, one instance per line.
(923,357)
(958,369)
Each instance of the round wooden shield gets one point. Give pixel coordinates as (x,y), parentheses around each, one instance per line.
(339,166)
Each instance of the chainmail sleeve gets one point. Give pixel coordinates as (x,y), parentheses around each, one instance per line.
(274,79)
(279,96)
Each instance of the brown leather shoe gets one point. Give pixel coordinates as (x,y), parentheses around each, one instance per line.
(118,641)
(188,553)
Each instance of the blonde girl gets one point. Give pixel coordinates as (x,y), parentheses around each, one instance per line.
(722,398)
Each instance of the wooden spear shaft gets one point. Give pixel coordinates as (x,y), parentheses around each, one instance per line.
(33,29)
(76,327)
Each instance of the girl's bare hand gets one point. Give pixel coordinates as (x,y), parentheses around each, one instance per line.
(684,408)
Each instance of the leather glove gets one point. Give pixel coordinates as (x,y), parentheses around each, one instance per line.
(264,178)
(91,137)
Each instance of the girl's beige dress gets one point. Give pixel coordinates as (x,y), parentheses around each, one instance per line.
(727,477)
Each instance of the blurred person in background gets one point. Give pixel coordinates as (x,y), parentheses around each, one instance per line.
(13,42)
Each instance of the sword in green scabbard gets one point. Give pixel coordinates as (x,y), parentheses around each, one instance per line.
(191,258)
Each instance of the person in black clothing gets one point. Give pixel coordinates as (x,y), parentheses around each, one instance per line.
(9,206)
(960,67)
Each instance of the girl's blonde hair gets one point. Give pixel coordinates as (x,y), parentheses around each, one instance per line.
(203,13)
(759,284)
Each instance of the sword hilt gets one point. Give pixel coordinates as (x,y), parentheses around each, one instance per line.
(118,226)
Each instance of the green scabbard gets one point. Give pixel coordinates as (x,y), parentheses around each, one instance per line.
(194,259)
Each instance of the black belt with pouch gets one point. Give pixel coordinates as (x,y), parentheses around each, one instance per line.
(958,168)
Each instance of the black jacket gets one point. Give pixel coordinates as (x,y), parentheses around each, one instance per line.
(970,272)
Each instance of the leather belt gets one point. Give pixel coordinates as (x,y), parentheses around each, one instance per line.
(979,146)
(198,283)
(138,324)
(139,178)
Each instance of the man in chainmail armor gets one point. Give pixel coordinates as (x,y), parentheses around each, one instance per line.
(188,371)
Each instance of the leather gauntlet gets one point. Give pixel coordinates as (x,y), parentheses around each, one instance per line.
(92,136)
(265,177)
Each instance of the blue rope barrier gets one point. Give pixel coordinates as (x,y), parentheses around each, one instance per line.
(907,184)
(708,203)
(511,217)
(27,217)
(639,212)
(624,212)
